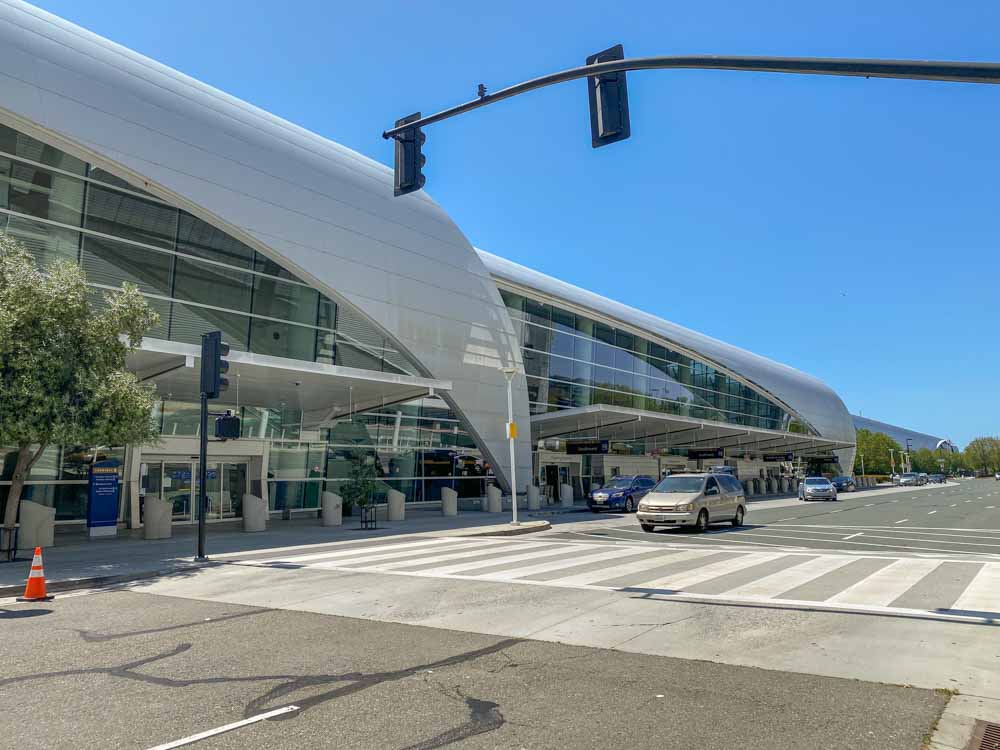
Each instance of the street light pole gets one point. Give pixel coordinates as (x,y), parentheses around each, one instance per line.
(509,373)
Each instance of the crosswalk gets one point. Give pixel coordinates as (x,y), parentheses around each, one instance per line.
(958,589)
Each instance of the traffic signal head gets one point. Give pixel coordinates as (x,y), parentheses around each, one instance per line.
(227,427)
(608,92)
(409,159)
(214,364)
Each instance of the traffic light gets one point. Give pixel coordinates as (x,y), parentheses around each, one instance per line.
(409,159)
(227,426)
(214,364)
(609,121)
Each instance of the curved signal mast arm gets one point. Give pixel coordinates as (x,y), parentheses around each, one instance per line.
(921,70)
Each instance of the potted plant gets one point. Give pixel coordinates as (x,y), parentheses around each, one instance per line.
(360,490)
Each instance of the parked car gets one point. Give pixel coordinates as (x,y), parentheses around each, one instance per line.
(843,484)
(621,493)
(922,476)
(817,488)
(935,478)
(895,478)
(693,501)
(997,476)
(909,479)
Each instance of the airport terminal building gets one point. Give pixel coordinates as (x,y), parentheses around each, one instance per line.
(363,326)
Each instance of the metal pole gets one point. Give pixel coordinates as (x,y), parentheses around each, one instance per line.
(202,477)
(513,467)
(922,70)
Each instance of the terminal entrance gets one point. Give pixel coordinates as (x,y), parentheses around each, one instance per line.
(177,482)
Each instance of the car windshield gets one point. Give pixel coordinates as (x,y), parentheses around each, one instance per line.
(909,475)
(840,479)
(679,484)
(619,483)
(816,480)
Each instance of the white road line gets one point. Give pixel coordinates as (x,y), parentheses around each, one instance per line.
(860,533)
(502,560)
(542,567)
(869,505)
(801,539)
(225,728)
(903,520)
(782,520)
(884,586)
(689,578)
(952,505)
(983,593)
(409,559)
(931,513)
(629,568)
(990,507)
(332,554)
(935,530)
(790,578)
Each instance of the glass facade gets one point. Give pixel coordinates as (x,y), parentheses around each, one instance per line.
(198,278)
(571,360)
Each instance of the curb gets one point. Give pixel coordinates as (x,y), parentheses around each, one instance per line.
(527,527)
(72,584)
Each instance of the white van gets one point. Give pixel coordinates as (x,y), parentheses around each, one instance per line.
(693,500)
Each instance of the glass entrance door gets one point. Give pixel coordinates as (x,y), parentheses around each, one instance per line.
(177,482)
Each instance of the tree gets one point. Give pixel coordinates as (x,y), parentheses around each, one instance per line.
(360,490)
(875,447)
(62,363)
(983,454)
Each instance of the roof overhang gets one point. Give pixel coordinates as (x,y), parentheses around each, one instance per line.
(622,423)
(322,392)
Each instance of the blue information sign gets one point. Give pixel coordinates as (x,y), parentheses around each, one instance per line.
(102,505)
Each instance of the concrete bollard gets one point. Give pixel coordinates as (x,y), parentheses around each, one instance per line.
(494,499)
(449,502)
(566,495)
(534,498)
(333,509)
(747,488)
(397,505)
(254,513)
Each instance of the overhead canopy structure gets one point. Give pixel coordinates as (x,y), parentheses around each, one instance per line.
(622,423)
(322,392)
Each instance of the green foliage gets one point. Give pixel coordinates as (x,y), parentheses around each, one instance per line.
(983,454)
(62,365)
(360,490)
(875,447)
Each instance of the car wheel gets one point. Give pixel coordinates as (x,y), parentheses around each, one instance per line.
(629,505)
(738,520)
(646,526)
(701,525)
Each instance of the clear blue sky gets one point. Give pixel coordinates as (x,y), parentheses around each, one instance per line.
(843,226)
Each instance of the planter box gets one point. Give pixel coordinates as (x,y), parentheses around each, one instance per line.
(156,518)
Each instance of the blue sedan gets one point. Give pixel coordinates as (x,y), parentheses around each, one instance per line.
(621,493)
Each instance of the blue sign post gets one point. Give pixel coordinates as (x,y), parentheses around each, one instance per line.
(102,504)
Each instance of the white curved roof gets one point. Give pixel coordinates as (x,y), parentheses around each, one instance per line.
(809,397)
(917,440)
(322,210)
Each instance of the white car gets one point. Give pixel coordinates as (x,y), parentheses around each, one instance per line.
(817,488)
(694,501)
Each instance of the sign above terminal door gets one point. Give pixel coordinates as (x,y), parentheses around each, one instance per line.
(699,453)
(779,456)
(586,447)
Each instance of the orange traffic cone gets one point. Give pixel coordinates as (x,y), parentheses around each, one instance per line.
(34,590)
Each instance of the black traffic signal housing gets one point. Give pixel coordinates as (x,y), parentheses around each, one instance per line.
(410,161)
(214,364)
(227,427)
(608,92)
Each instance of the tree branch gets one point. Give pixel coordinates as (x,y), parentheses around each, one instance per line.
(38,454)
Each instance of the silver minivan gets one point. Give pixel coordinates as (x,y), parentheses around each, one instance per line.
(693,501)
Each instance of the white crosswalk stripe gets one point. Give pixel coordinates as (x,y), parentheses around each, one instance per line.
(790,578)
(670,571)
(884,586)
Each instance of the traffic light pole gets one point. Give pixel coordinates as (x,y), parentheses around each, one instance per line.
(921,70)
(202,477)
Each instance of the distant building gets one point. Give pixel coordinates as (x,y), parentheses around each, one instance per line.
(917,440)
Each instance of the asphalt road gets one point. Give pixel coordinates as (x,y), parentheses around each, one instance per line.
(121,669)
(956,519)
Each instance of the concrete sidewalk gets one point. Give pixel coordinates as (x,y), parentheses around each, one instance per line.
(78,562)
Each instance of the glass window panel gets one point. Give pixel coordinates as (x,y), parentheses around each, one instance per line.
(583,349)
(108,262)
(583,373)
(535,363)
(189,322)
(278,299)
(624,380)
(130,217)
(47,243)
(561,368)
(353,355)
(326,347)
(624,360)
(514,302)
(196,237)
(212,285)
(40,193)
(604,333)
(604,377)
(290,341)
(266,265)
(580,395)
(537,312)
(19,144)
(604,354)
(97,173)
(560,394)
(563,320)
(537,338)
(327,317)
(562,344)
(624,340)
(624,399)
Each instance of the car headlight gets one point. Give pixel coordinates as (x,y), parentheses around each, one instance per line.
(684,507)
(643,506)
